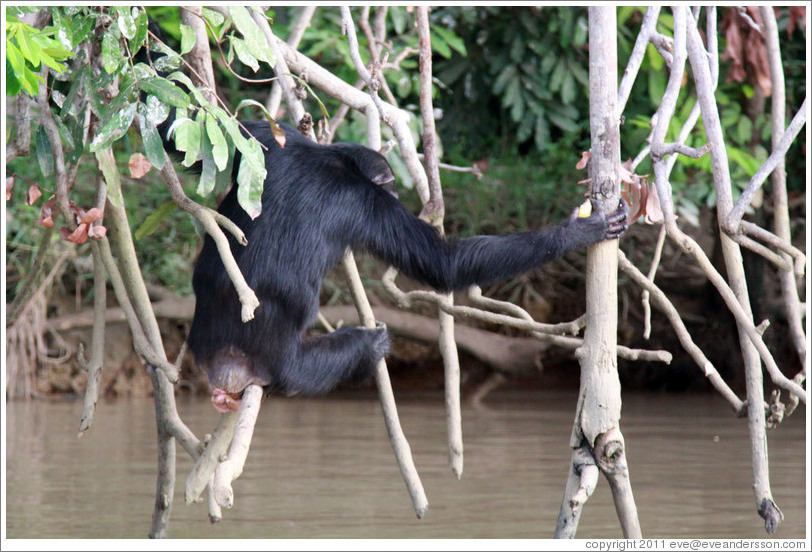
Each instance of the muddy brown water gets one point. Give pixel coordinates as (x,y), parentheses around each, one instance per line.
(323,468)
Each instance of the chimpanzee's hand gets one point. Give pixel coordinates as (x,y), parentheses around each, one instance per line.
(380,344)
(594,221)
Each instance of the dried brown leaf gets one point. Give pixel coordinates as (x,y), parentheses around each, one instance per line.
(33,194)
(139,165)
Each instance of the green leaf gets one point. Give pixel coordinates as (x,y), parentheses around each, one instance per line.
(561,121)
(208,171)
(215,18)
(250,181)
(438,45)
(249,102)
(508,73)
(74,89)
(557,78)
(218,142)
(80,28)
(126,22)
(656,86)
(542,133)
(29,49)
(243,54)
(114,129)
(399,19)
(12,83)
(568,89)
(154,219)
(45,155)
(453,41)
(21,72)
(166,91)
(254,37)
(654,58)
(744,160)
(744,129)
(153,146)
(187,39)
(141,27)
(187,135)
(156,111)
(111,50)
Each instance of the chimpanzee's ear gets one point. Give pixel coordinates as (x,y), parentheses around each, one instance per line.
(386,180)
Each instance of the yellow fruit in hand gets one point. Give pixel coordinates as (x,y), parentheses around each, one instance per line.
(585,209)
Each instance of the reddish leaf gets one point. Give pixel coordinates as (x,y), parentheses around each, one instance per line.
(139,165)
(634,194)
(585,157)
(92,216)
(9,186)
(756,54)
(745,47)
(77,236)
(654,212)
(33,194)
(46,215)
(97,232)
(279,134)
(734,39)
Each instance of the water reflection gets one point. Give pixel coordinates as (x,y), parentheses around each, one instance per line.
(324,469)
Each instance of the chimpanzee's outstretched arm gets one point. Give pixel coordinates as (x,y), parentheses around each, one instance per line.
(390,232)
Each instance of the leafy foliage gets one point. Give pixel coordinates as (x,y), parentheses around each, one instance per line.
(28,49)
(524,74)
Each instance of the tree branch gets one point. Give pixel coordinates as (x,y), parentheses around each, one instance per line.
(210,220)
(681,331)
(789,289)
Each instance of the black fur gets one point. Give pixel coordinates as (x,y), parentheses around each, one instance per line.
(318,200)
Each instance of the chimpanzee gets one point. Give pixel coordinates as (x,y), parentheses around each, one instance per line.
(319,200)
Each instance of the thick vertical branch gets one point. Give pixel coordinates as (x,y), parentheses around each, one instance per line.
(167,420)
(789,288)
(731,252)
(597,421)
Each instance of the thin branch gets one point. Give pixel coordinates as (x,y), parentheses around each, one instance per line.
(26,291)
(757,180)
(739,303)
(678,147)
(141,343)
(215,452)
(403,453)
(95,363)
(652,271)
(210,220)
(547,333)
(647,29)
(48,123)
(662,302)
(297,31)
(434,212)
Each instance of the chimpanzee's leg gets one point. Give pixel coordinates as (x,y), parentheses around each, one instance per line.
(349,354)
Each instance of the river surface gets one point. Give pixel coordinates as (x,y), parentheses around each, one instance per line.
(323,468)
